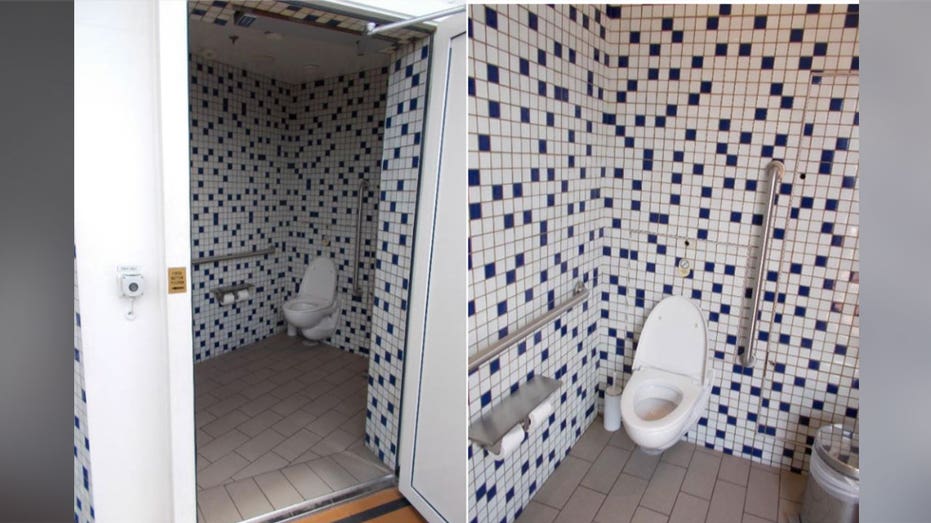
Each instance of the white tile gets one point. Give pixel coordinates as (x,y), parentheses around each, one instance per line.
(278,489)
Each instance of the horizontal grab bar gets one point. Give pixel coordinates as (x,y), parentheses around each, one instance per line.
(234,256)
(485,355)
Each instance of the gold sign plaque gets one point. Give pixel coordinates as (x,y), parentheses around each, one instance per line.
(177,280)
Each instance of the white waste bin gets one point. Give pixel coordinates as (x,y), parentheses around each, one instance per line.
(833,491)
(612,417)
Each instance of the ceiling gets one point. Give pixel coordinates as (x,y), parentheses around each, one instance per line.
(297,41)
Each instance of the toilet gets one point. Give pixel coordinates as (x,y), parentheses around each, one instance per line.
(671,380)
(315,309)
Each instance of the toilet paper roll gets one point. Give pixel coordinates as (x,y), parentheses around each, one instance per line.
(538,416)
(242,294)
(228,297)
(509,442)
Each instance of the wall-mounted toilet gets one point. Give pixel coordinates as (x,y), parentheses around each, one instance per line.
(315,309)
(671,380)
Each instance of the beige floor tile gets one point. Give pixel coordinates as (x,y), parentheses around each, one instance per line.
(332,473)
(763,494)
(256,406)
(258,423)
(679,454)
(224,424)
(734,469)
(259,445)
(727,503)
(663,488)
(227,405)
(267,462)
(689,509)
(562,482)
(294,422)
(360,468)
(606,468)
(701,474)
(306,481)
(220,471)
(791,486)
(581,507)
(223,445)
(328,421)
(621,503)
(645,515)
(620,438)
(302,441)
(248,498)
(537,513)
(217,506)
(750,518)
(641,464)
(334,442)
(592,441)
(789,511)
(278,489)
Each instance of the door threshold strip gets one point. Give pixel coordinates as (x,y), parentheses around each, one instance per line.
(304,508)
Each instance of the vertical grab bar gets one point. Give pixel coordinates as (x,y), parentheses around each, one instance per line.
(356,288)
(776,170)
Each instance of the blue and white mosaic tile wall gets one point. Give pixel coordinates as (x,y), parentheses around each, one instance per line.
(279,165)
(336,126)
(397,202)
(669,114)
(537,158)
(239,132)
(83,490)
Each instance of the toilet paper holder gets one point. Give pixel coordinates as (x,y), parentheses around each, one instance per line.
(219,292)
(511,411)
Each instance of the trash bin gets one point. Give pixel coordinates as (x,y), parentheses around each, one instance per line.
(833,491)
(612,417)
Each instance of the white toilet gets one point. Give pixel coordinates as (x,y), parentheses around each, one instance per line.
(315,309)
(671,380)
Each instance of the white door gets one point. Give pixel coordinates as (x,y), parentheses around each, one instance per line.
(433,408)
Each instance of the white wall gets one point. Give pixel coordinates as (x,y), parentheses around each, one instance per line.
(142,436)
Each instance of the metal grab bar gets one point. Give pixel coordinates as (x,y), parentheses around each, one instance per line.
(485,355)
(356,288)
(234,256)
(776,170)
(371,28)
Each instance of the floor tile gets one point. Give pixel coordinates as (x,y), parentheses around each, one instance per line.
(562,482)
(224,424)
(278,489)
(306,481)
(363,470)
(581,507)
(641,464)
(679,454)
(332,473)
(727,503)
(336,441)
(735,470)
(663,488)
(791,486)
(606,468)
(259,445)
(621,503)
(217,506)
(620,438)
(592,441)
(789,511)
(267,462)
(645,515)
(750,518)
(701,474)
(220,471)
(302,441)
(763,494)
(537,513)
(260,422)
(248,498)
(689,509)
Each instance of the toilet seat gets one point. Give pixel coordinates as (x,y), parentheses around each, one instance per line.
(641,384)
(314,309)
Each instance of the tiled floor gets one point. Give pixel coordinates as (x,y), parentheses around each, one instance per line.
(279,422)
(605,479)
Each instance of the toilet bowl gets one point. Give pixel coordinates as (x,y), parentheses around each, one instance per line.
(671,381)
(315,309)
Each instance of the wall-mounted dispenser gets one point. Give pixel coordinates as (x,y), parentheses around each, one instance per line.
(131,284)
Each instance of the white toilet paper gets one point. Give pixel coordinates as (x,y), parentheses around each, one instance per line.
(242,295)
(539,415)
(509,442)
(228,297)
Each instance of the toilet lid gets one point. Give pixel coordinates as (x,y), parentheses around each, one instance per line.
(674,339)
(319,281)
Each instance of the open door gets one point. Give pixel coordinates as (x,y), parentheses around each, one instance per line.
(434,420)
